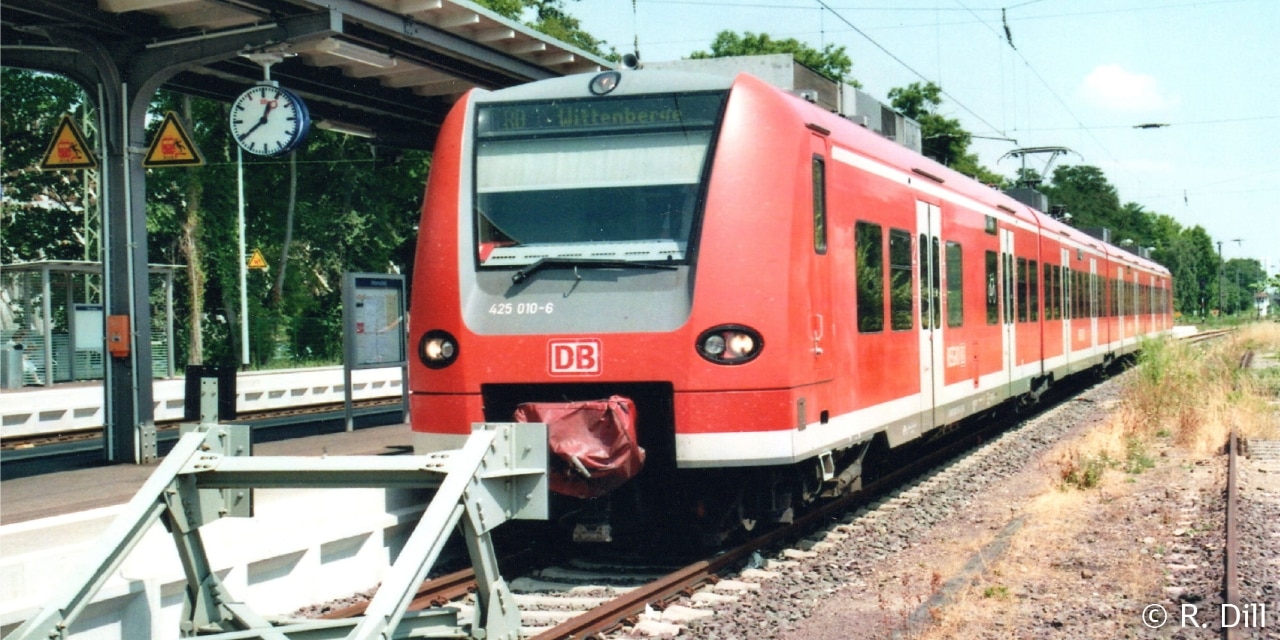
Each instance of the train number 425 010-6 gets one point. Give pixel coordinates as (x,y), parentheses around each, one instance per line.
(519,308)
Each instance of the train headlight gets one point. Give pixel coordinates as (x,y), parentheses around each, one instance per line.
(438,349)
(730,344)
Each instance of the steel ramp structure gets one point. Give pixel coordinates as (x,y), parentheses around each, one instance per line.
(498,475)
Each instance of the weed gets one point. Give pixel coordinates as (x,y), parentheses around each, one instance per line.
(999,592)
(1136,459)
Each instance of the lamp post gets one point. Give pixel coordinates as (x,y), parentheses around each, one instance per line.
(1220,266)
(1239,242)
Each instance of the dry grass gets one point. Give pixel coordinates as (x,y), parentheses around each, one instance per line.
(1190,394)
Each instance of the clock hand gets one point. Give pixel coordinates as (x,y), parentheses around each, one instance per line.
(261,121)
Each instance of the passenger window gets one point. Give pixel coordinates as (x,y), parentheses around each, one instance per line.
(955,285)
(993,300)
(870,265)
(1051,293)
(1022,289)
(900,279)
(819,205)
(1033,280)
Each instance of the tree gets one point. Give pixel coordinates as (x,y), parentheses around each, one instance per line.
(551,18)
(943,139)
(41,215)
(1088,196)
(831,61)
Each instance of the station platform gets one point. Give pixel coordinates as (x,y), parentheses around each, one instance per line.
(65,492)
(301,546)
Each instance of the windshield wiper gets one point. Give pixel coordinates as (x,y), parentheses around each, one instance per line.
(597,263)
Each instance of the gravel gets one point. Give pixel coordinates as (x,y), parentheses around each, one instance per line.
(903,570)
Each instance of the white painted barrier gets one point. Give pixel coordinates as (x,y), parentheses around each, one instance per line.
(302,547)
(56,409)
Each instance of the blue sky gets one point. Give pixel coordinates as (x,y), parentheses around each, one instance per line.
(1083,74)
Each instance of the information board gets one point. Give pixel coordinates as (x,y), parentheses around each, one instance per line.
(374,329)
(377,320)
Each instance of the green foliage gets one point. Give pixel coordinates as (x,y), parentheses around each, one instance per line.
(551,17)
(1087,472)
(357,210)
(943,139)
(1087,195)
(831,61)
(42,210)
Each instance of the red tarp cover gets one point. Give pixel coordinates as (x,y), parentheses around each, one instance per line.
(594,443)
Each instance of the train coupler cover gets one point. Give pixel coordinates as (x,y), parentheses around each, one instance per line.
(593,442)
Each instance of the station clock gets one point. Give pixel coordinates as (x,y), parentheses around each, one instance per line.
(268,120)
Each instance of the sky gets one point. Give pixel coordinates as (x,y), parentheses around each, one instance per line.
(1084,73)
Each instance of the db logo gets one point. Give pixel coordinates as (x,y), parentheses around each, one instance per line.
(574,357)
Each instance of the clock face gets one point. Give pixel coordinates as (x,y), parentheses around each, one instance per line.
(269,121)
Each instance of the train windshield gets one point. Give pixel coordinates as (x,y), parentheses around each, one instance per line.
(616,179)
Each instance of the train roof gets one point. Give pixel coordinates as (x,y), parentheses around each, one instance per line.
(869,143)
(629,82)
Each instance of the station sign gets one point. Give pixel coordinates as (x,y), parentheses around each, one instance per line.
(68,150)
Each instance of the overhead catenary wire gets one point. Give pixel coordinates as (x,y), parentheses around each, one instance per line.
(905,65)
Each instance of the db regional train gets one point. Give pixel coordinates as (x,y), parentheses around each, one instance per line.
(723,299)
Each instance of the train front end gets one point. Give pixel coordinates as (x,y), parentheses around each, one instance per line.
(555,282)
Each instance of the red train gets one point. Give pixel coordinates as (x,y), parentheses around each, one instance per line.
(772,288)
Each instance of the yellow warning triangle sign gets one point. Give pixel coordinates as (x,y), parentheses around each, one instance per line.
(68,149)
(256,261)
(172,147)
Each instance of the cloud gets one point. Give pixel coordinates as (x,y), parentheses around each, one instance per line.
(1111,87)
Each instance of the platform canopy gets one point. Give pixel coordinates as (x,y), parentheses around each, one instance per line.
(384,68)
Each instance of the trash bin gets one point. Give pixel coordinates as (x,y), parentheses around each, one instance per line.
(11,369)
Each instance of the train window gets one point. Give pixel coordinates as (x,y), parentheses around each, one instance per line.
(548,185)
(1095,288)
(900,279)
(1022,289)
(993,300)
(930,298)
(819,205)
(1052,291)
(1009,292)
(935,294)
(870,265)
(1064,282)
(955,285)
(1048,291)
(1077,297)
(1033,281)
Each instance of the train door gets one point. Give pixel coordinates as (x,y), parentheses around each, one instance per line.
(1009,333)
(929,227)
(1064,301)
(820,320)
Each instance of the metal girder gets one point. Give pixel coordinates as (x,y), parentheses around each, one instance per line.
(438,39)
(498,475)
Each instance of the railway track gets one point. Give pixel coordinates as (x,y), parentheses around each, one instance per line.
(583,598)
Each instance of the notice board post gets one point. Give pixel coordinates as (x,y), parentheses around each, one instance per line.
(373,330)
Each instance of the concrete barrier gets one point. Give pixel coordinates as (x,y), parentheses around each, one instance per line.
(62,408)
(302,547)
